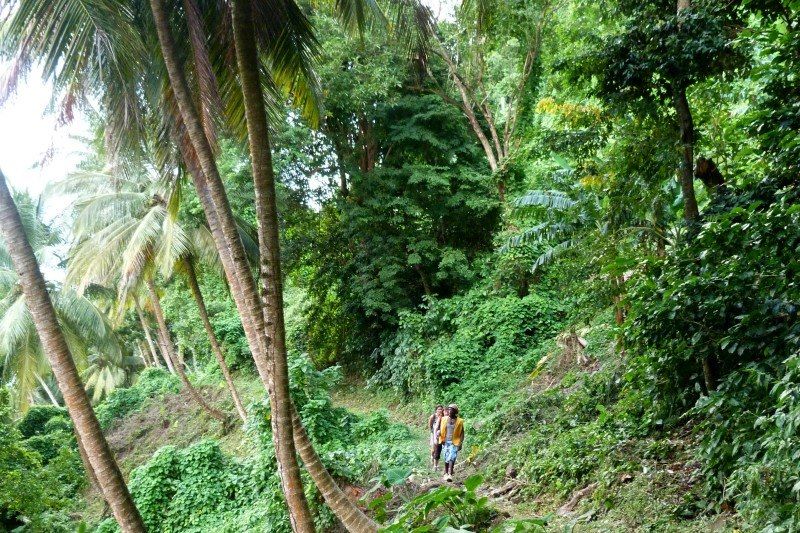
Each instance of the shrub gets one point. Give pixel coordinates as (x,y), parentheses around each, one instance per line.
(20,487)
(750,444)
(464,345)
(727,294)
(49,445)
(33,423)
(153,382)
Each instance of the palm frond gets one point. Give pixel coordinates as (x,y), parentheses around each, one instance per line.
(357,15)
(286,38)
(208,88)
(81,45)
(547,199)
(551,253)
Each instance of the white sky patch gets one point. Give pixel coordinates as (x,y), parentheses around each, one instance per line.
(35,151)
(28,133)
(442,9)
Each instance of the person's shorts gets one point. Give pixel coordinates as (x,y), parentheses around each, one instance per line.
(450,452)
(436,451)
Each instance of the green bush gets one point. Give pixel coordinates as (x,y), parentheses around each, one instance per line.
(58,423)
(153,382)
(750,443)
(33,497)
(463,346)
(49,445)
(729,295)
(33,423)
(452,509)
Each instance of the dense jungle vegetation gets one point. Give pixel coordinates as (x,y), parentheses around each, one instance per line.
(298,226)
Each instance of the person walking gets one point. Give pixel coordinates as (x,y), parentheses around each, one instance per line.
(434,425)
(451,435)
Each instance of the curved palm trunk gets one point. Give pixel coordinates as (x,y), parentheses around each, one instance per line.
(87,427)
(213,197)
(345,509)
(269,262)
(87,466)
(163,345)
(212,339)
(146,329)
(143,355)
(169,350)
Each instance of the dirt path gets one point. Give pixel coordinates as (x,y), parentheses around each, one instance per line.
(354,396)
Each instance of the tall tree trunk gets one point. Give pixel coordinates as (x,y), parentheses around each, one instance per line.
(686,124)
(690,210)
(425,284)
(194,286)
(169,350)
(346,511)
(147,336)
(143,355)
(162,343)
(211,193)
(87,465)
(467,107)
(269,262)
(37,299)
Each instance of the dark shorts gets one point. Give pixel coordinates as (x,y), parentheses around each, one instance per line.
(436,451)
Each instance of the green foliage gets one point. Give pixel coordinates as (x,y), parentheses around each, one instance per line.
(453,509)
(460,347)
(416,191)
(20,486)
(389,222)
(35,420)
(750,442)
(200,488)
(39,476)
(49,445)
(152,383)
(735,277)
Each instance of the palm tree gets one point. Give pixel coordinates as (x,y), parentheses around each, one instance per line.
(269,260)
(91,339)
(187,265)
(156,354)
(126,228)
(90,435)
(169,350)
(255,317)
(280,25)
(98,199)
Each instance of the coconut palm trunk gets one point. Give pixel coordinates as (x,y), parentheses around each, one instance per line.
(162,343)
(169,350)
(194,286)
(101,460)
(146,329)
(269,261)
(213,198)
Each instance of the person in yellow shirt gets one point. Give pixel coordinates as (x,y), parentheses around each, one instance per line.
(451,436)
